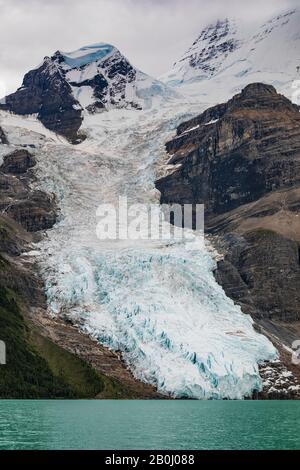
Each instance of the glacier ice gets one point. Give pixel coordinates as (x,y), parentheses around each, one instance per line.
(87,55)
(158,304)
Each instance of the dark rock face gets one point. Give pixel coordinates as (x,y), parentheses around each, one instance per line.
(210,49)
(263,275)
(17,162)
(12,237)
(242,160)
(45,92)
(34,210)
(37,213)
(235,153)
(3,139)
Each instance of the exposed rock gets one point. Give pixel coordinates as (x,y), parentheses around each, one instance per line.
(11,188)
(45,92)
(13,238)
(3,138)
(236,152)
(39,212)
(279,383)
(34,210)
(18,162)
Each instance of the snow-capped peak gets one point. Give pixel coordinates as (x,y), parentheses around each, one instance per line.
(230,54)
(68,86)
(206,55)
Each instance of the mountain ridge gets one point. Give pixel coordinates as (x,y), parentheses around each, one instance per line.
(228,54)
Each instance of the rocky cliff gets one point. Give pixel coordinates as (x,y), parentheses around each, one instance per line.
(236,152)
(241,159)
(46,93)
(34,210)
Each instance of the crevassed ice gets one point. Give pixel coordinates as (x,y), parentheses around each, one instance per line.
(163,310)
(158,304)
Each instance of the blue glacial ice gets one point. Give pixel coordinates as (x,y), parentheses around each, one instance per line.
(163,309)
(87,55)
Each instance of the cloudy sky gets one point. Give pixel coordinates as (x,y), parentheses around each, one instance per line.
(151,33)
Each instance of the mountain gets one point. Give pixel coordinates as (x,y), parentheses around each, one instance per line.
(88,80)
(230,54)
(172,317)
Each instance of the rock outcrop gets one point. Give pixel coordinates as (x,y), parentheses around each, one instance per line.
(45,92)
(235,153)
(241,160)
(261,271)
(34,210)
(3,138)
(17,162)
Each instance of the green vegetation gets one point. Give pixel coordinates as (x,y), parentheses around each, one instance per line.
(38,368)
(80,377)
(26,375)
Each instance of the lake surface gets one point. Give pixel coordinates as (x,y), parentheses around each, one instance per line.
(187,425)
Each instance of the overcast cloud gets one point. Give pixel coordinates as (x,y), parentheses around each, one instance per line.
(151,33)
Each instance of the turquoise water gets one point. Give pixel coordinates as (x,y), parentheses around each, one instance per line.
(187,425)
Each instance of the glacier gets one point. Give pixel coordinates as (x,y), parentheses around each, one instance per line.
(101,77)
(156,302)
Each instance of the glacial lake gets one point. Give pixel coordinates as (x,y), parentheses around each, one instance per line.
(166,424)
